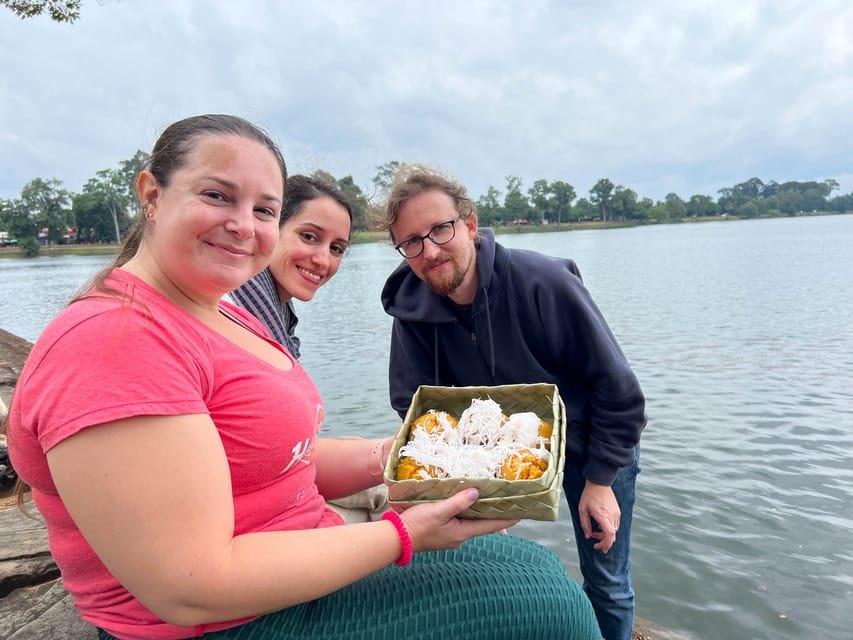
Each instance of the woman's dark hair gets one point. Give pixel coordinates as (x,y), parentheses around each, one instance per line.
(302,189)
(168,156)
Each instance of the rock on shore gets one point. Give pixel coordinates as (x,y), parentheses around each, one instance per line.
(13,354)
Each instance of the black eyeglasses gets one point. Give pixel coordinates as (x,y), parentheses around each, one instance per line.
(439,234)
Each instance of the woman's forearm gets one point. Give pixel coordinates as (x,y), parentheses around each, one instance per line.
(348,465)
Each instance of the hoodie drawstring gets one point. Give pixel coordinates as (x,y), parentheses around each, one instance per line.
(489,329)
(489,335)
(435,353)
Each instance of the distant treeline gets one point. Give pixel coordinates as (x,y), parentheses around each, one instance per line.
(46,213)
(555,202)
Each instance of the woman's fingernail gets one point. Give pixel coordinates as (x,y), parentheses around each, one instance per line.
(473,494)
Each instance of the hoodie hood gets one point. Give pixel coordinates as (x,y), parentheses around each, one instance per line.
(407,298)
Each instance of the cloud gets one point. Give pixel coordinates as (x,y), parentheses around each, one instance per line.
(657,96)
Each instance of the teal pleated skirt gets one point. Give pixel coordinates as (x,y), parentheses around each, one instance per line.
(495,587)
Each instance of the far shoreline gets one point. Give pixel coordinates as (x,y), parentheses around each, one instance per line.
(362,237)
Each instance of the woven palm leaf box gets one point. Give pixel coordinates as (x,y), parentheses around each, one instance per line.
(536,499)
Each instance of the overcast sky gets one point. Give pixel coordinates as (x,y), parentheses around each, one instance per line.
(659,96)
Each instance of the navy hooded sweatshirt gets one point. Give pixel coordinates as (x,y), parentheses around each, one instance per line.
(532,321)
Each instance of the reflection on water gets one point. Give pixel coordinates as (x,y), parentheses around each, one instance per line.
(33,290)
(740,333)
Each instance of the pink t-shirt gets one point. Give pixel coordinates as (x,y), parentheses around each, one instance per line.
(106,358)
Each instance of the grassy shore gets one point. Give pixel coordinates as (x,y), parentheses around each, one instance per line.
(358,237)
(382,236)
(64,250)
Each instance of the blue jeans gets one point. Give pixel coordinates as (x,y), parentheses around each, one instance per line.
(607,577)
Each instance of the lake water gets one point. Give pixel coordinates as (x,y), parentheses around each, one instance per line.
(742,336)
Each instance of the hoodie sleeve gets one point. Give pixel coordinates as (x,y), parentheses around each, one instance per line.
(586,349)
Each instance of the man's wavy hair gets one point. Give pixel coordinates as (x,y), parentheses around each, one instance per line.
(412,180)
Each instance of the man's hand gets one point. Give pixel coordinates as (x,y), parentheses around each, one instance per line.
(598,503)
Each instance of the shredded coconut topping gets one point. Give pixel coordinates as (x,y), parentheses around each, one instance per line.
(477,448)
(523,428)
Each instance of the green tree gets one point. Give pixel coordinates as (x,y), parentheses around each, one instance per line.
(700,205)
(752,188)
(516,206)
(540,199)
(489,209)
(111,189)
(352,192)
(44,205)
(814,198)
(623,204)
(644,209)
(585,210)
(6,218)
(794,197)
(128,171)
(601,194)
(726,201)
(5,209)
(93,216)
(788,201)
(841,203)
(114,191)
(30,247)
(13,219)
(748,209)
(357,199)
(732,198)
(325,176)
(383,179)
(675,206)
(58,10)
(562,196)
(659,213)
(552,202)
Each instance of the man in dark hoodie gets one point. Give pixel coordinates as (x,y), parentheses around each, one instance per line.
(470,312)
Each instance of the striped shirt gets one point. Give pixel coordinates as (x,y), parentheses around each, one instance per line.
(259,296)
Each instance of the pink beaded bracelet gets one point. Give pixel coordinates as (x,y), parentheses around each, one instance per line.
(405,540)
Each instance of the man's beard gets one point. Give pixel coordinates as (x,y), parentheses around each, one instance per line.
(447,286)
